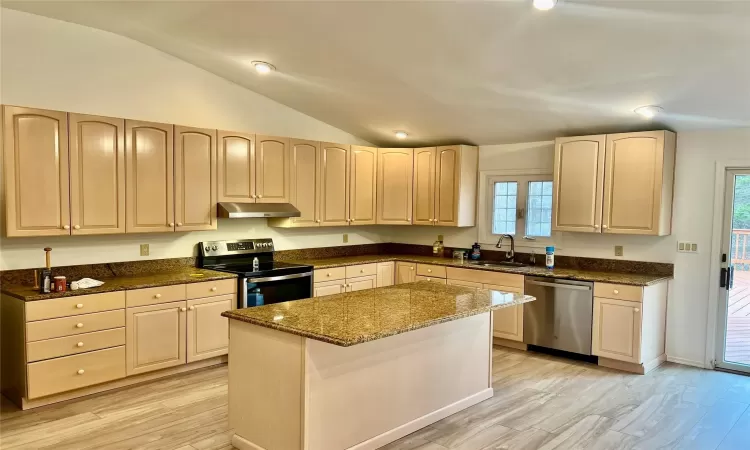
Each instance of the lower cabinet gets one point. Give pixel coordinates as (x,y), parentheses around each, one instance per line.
(155,337)
(352,278)
(207,330)
(469,284)
(405,272)
(617,329)
(329,288)
(361,283)
(507,323)
(432,279)
(386,273)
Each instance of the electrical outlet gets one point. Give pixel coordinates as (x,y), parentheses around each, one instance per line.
(618,250)
(440,237)
(346,238)
(687,247)
(144,250)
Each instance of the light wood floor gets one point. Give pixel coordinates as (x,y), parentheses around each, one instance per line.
(540,402)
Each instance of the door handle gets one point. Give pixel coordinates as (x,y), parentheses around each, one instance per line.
(560,285)
(730,277)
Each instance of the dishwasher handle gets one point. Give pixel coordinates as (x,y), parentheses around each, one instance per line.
(575,287)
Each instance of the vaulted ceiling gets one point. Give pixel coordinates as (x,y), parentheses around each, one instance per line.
(474,72)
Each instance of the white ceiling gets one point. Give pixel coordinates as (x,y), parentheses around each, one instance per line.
(475,72)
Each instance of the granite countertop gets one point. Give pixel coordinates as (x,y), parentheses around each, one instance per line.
(356,317)
(122,283)
(536,271)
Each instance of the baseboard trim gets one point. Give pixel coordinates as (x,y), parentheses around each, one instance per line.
(687,362)
(508,343)
(398,432)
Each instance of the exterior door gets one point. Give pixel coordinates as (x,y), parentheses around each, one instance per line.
(616,333)
(149,154)
(447,179)
(733,343)
(578,184)
(236,171)
(363,170)
(424,186)
(394,197)
(334,184)
(207,330)
(405,272)
(37,195)
(271,169)
(195,179)
(97,174)
(155,337)
(304,182)
(633,183)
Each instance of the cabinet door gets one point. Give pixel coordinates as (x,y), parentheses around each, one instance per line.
(363,170)
(468,284)
(405,272)
(334,184)
(236,171)
(386,274)
(37,196)
(507,323)
(432,279)
(424,186)
(195,179)
(271,169)
(329,288)
(207,330)
(304,182)
(97,174)
(447,182)
(617,330)
(155,337)
(361,283)
(578,184)
(394,197)
(633,183)
(150,177)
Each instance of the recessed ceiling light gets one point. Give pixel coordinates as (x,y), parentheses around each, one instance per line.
(263,67)
(401,134)
(544,5)
(649,112)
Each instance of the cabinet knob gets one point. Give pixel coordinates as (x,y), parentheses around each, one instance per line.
(213,289)
(183,309)
(429,270)
(157,295)
(411,268)
(636,310)
(604,226)
(318,221)
(171,224)
(191,307)
(328,274)
(80,371)
(596,226)
(252,196)
(361,270)
(616,291)
(66,227)
(428,279)
(79,325)
(179,224)
(80,344)
(260,196)
(343,286)
(77,227)
(79,306)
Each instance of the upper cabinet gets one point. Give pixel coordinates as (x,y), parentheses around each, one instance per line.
(304,185)
(618,183)
(394,189)
(334,184)
(195,179)
(271,169)
(149,166)
(37,175)
(424,186)
(236,161)
(362,185)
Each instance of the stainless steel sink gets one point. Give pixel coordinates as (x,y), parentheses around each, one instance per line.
(498,264)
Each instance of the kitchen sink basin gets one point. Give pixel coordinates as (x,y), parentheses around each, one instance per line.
(498,264)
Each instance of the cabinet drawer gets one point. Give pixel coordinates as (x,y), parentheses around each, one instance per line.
(432,279)
(211,288)
(67,326)
(485,277)
(427,270)
(74,372)
(333,273)
(361,270)
(495,287)
(154,296)
(69,306)
(619,291)
(71,345)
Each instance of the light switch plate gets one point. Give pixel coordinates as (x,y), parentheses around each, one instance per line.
(346,238)
(618,250)
(687,247)
(144,250)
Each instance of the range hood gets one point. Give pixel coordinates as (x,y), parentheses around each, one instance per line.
(232,210)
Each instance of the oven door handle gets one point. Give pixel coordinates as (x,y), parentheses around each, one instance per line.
(279,278)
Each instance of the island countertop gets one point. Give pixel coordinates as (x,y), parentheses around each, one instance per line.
(356,317)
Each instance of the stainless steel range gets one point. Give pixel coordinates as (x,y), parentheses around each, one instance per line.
(261,280)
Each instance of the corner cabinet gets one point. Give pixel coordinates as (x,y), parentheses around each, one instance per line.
(394,189)
(195,179)
(616,183)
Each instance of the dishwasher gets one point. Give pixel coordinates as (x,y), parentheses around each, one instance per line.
(561,316)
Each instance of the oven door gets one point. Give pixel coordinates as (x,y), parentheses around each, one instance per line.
(268,290)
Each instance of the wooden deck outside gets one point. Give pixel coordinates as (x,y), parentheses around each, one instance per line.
(738,322)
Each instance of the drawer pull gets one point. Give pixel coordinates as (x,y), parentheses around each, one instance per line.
(213,289)
(361,270)
(80,344)
(79,306)
(429,279)
(157,296)
(328,274)
(81,371)
(429,270)
(79,325)
(616,292)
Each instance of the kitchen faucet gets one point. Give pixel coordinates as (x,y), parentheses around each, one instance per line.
(511,254)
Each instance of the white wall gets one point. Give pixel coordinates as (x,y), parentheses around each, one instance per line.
(52,64)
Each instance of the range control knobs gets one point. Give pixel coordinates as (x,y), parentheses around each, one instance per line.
(214,248)
(207,249)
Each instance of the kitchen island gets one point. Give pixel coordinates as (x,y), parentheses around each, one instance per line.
(361,369)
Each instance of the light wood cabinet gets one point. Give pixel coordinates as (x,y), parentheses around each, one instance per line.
(617,329)
(424,186)
(155,337)
(334,184)
(507,323)
(405,272)
(149,167)
(37,175)
(362,185)
(394,190)
(195,179)
(361,283)
(329,288)
(578,184)
(468,284)
(616,183)
(207,330)
(236,167)
(432,279)
(97,174)
(304,185)
(386,274)
(639,177)
(271,169)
